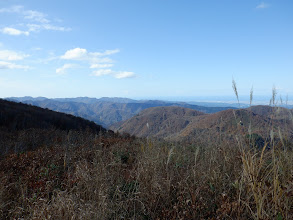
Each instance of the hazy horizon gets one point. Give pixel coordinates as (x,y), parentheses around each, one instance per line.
(257,100)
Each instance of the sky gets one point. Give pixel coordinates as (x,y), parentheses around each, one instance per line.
(145,48)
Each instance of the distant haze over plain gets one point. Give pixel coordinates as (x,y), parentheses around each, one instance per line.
(257,100)
(222,100)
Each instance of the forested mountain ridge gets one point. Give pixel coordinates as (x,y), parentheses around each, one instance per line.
(106,111)
(18,116)
(25,127)
(176,123)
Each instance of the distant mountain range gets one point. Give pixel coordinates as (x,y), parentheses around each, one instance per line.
(177,123)
(158,121)
(106,111)
(148,118)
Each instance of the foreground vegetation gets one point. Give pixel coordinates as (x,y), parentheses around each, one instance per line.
(86,176)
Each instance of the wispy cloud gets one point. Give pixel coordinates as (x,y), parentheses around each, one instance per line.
(13,31)
(107,52)
(39,27)
(98,66)
(9,55)
(262,5)
(75,54)
(62,70)
(124,75)
(8,65)
(36,21)
(93,57)
(100,61)
(12,9)
(35,16)
(103,72)
(117,75)
(26,14)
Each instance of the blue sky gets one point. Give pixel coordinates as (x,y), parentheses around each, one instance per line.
(145,48)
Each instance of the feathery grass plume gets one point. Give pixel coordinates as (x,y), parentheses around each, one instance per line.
(250,102)
(251,96)
(281,138)
(236,93)
(274,94)
(170,153)
(272,135)
(234,86)
(195,156)
(291,116)
(287,98)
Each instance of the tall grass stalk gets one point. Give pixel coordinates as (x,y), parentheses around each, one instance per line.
(262,173)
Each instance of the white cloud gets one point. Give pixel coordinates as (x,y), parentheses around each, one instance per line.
(106,53)
(13,31)
(10,55)
(39,19)
(262,5)
(98,66)
(55,28)
(103,72)
(117,75)
(123,75)
(93,57)
(35,16)
(27,14)
(75,54)
(34,27)
(62,69)
(97,60)
(12,9)
(39,27)
(8,65)
(110,52)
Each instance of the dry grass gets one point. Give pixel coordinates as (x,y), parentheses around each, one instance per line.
(142,179)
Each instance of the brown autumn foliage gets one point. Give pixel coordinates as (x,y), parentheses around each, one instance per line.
(86,176)
(61,174)
(183,124)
